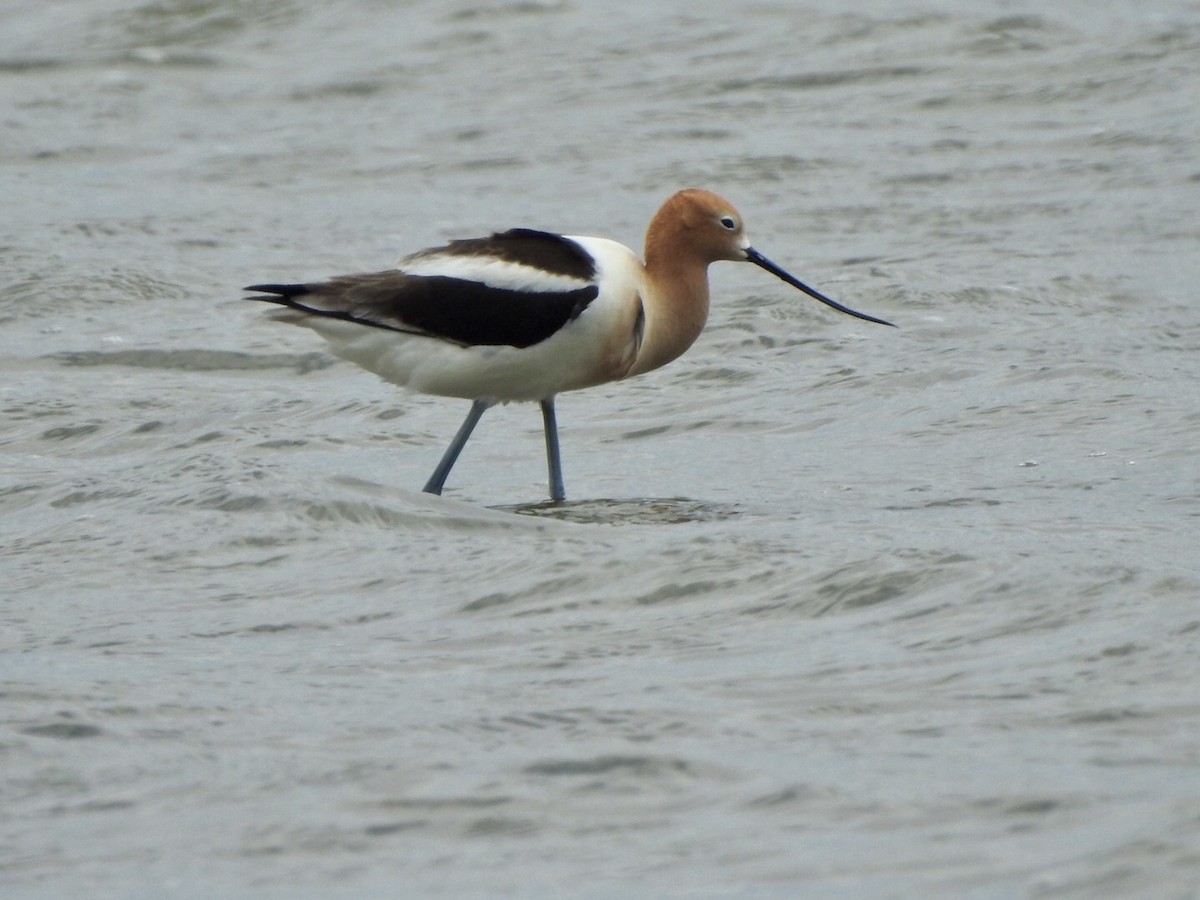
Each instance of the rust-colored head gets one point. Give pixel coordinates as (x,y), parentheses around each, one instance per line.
(697,226)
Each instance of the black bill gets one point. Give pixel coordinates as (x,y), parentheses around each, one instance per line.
(761,261)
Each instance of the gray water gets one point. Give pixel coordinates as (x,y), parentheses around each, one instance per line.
(833,609)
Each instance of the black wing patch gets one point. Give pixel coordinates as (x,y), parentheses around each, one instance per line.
(551,253)
(469,313)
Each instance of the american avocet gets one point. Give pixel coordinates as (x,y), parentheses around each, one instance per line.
(526,315)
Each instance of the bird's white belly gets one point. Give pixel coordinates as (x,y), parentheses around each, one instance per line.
(570,359)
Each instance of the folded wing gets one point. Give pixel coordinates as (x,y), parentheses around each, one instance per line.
(514,289)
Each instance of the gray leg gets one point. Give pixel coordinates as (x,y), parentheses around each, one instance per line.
(438,479)
(553,460)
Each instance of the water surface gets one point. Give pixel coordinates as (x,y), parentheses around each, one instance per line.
(833,609)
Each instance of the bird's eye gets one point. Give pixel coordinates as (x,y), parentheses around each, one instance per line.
(729,223)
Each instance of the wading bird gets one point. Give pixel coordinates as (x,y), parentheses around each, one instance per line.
(524,315)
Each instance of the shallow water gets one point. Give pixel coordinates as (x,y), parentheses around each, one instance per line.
(833,609)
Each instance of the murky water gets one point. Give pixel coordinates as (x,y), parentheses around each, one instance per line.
(834,609)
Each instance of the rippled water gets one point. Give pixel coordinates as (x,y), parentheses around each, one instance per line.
(833,610)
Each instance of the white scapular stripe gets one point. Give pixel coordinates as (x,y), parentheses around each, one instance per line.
(497,273)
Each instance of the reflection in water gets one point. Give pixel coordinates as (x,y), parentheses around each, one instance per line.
(660,511)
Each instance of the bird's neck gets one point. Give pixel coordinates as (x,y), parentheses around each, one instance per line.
(676,306)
